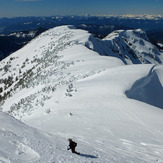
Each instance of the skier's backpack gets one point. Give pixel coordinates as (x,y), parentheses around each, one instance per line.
(75,144)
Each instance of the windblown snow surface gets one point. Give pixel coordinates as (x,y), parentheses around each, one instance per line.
(59,87)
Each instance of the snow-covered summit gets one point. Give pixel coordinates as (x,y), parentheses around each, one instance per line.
(68,84)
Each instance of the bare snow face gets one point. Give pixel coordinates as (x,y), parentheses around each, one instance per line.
(63,86)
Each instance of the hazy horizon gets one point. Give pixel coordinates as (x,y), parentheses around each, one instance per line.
(21,8)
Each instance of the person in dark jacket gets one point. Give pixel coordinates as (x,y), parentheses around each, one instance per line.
(72,146)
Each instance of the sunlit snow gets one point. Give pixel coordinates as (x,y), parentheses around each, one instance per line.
(64,84)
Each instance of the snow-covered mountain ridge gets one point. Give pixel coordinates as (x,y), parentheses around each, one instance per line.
(45,60)
(66,83)
(29,66)
(133,46)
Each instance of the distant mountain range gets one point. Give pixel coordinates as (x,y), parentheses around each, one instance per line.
(9,25)
(144,16)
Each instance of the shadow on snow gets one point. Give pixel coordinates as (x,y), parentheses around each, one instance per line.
(87,155)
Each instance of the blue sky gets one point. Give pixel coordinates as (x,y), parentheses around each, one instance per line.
(12,8)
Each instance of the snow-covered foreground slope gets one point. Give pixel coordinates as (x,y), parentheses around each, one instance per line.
(60,86)
(20,143)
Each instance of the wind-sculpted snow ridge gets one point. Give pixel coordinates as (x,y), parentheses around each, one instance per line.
(68,84)
(149,89)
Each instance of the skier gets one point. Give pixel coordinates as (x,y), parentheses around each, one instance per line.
(72,146)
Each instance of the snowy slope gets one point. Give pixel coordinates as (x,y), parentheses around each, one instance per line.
(59,84)
(20,143)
